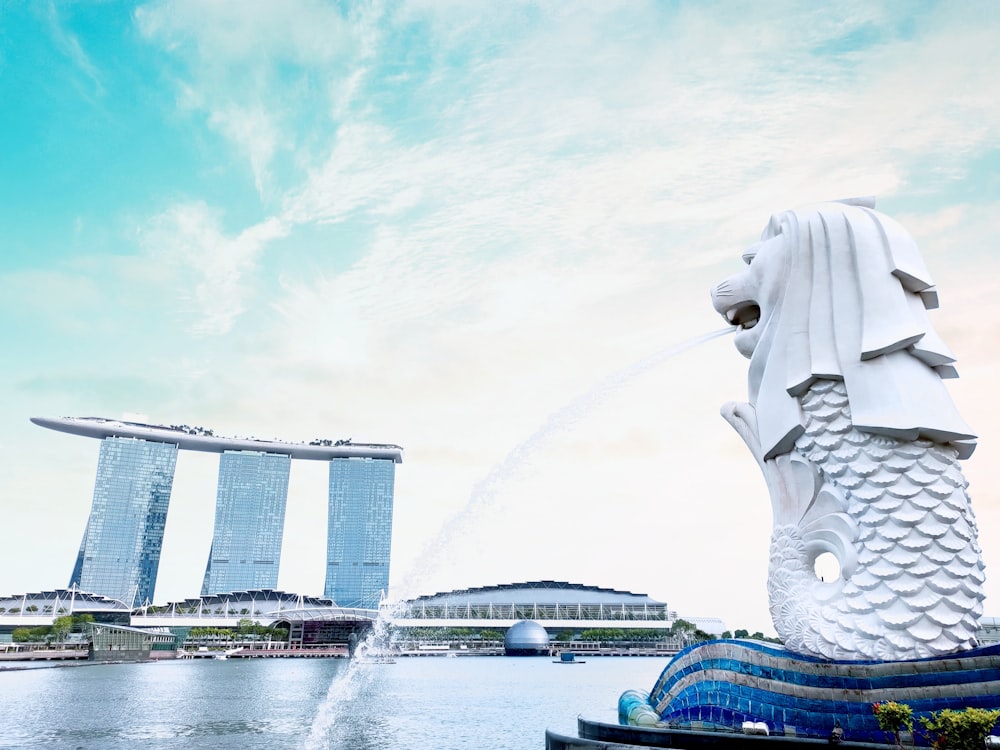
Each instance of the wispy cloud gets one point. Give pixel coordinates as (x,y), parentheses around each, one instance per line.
(209,271)
(253,68)
(69,44)
(507,150)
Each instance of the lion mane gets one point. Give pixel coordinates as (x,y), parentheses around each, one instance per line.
(849,295)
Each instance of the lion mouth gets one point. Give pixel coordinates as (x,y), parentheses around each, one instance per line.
(744,317)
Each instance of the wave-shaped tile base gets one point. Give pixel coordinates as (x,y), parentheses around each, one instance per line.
(721,684)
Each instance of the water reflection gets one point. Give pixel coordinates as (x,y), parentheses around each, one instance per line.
(432,703)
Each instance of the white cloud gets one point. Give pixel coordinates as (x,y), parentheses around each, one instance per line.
(253,130)
(69,44)
(236,32)
(207,270)
(252,67)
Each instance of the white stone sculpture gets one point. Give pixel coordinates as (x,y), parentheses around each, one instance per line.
(856,436)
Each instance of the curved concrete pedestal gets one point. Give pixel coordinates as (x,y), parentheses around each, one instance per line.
(594,735)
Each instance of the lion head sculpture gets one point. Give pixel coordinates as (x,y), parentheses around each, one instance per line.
(839,291)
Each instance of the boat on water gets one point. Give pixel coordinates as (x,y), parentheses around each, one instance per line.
(568,657)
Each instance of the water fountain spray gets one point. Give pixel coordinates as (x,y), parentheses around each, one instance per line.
(346,686)
(485,491)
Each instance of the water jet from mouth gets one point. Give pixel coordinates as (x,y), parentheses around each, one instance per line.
(348,687)
(485,491)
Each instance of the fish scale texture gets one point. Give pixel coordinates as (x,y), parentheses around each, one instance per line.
(916,589)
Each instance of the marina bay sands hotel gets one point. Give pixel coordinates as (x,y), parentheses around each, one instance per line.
(120,552)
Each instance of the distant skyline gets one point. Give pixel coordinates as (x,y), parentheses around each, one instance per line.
(482,232)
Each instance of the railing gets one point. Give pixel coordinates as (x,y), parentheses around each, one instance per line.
(534,612)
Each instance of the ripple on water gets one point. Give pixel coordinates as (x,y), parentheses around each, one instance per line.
(433,703)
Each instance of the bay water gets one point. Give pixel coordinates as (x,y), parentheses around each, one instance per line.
(417,703)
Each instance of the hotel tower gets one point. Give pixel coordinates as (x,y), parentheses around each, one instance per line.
(360,531)
(249,520)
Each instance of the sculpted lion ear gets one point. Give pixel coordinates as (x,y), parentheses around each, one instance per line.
(773,228)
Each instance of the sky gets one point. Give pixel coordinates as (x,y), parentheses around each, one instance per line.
(485,232)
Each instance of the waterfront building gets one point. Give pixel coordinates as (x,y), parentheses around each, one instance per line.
(120,643)
(989,631)
(42,608)
(120,552)
(359,531)
(309,620)
(558,606)
(249,521)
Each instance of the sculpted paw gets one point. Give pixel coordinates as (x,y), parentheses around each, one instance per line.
(742,417)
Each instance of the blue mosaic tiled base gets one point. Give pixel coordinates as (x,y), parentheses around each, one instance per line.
(724,683)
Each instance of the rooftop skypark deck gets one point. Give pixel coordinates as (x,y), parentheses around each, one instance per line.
(200,439)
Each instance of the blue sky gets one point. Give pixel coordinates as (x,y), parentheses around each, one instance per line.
(439,223)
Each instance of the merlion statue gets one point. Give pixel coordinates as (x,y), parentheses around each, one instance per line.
(856,436)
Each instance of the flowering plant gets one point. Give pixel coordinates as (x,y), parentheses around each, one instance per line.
(891,716)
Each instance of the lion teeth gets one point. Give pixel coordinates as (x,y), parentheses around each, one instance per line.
(731,315)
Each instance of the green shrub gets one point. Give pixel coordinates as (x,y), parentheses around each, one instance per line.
(892,716)
(960,730)
(31,635)
(21,635)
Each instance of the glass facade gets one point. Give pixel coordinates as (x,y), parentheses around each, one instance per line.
(359,531)
(120,552)
(249,522)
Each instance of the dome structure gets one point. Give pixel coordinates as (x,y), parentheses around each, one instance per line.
(526,638)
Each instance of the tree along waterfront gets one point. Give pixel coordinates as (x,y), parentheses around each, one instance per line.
(56,633)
